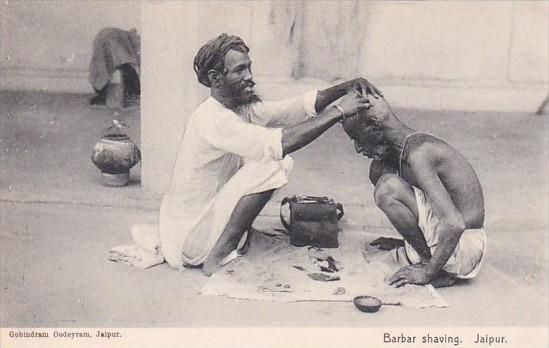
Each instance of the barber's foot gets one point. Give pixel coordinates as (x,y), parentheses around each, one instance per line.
(218,259)
(443,279)
(210,267)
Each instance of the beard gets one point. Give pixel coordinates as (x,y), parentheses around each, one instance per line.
(378,152)
(236,94)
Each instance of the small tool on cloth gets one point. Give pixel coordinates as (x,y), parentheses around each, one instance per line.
(322,260)
(322,277)
(339,291)
(326,265)
(278,287)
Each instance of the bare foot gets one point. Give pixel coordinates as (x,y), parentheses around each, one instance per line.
(217,260)
(209,267)
(217,256)
(443,279)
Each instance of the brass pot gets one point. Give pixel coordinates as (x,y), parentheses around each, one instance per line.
(115,155)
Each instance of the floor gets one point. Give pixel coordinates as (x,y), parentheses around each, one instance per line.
(58,223)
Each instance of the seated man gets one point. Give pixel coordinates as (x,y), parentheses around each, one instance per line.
(116,56)
(234,155)
(429,192)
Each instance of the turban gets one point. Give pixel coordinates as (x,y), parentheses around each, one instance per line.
(212,55)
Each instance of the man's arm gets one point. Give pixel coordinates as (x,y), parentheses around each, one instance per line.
(449,229)
(296,136)
(451,223)
(287,112)
(295,110)
(327,96)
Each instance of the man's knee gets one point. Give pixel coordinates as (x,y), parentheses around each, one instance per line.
(388,188)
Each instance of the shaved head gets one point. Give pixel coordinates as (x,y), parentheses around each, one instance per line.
(376,116)
(368,129)
(380,110)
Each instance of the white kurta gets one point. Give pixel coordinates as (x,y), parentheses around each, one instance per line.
(223,156)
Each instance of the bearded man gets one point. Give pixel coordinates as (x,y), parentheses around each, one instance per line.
(430,194)
(234,155)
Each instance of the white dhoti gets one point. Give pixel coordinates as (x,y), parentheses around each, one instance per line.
(466,260)
(190,244)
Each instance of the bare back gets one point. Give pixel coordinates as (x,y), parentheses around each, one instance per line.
(454,171)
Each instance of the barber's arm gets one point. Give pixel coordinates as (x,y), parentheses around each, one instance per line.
(449,229)
(295,110)
(230,133)
(297,136)
(327,96)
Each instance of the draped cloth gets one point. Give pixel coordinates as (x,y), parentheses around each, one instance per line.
(325,39)
(113,47)
(224,155)
(274,270)
(286,18)
(468,256)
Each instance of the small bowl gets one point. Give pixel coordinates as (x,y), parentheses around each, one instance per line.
(368,304)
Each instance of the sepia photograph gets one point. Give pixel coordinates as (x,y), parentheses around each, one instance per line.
(277,173)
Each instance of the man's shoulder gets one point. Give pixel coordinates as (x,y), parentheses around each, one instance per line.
(211,109)
(423,148)
(427,149)
(431,150)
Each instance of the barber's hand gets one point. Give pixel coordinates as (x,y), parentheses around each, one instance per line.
(353,103)
(412,274)
(364,87)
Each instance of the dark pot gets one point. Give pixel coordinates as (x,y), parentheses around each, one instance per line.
(115,155)
(368,304)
